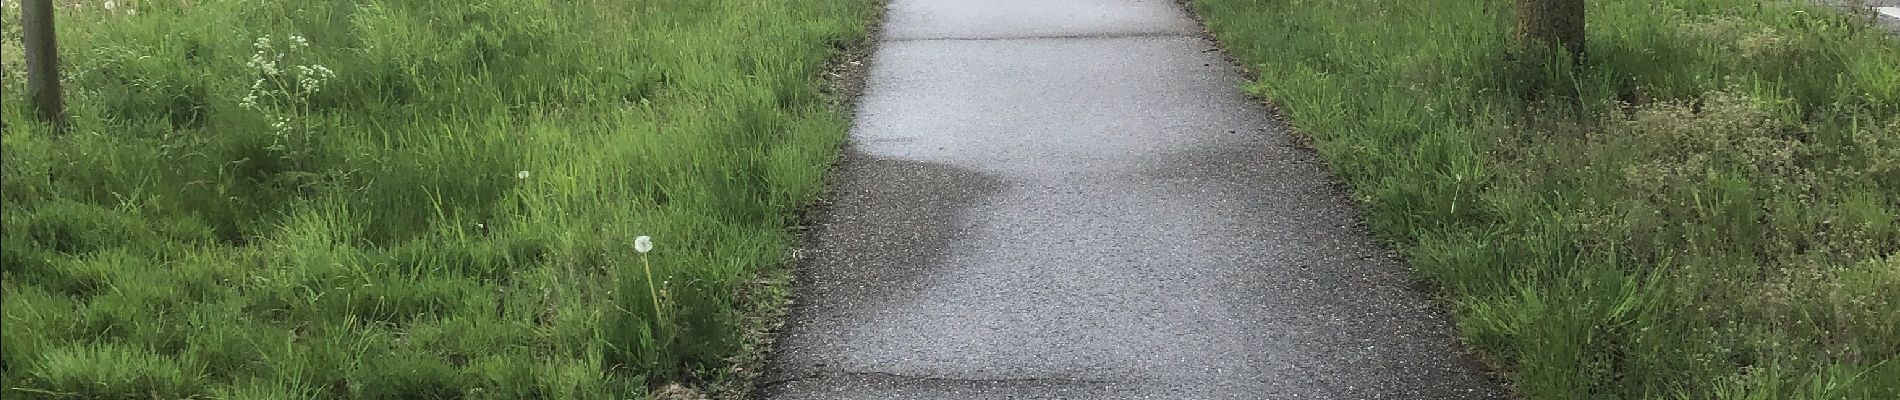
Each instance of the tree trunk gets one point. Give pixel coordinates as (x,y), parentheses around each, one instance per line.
(42,59)
(1551,24)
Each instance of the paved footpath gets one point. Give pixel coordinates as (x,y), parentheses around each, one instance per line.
(1071,199)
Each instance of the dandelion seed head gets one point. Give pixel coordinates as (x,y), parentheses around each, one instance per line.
(643,244)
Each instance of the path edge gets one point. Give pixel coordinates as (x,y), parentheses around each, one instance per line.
(1496,371)
(765,301)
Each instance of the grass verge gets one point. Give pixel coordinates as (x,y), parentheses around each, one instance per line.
(405,198)
(1708,207)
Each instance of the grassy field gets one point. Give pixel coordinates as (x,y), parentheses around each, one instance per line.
(406,199)
(1707,208)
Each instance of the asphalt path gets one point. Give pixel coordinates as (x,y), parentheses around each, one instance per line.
(1073,199)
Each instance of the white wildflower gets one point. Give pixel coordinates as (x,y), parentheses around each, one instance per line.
(297,41)
(109,5)
(263,64)
(643,244)
(523,174)
(309,78)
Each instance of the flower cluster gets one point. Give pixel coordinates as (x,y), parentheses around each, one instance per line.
(265,60)
(311,77)
(273,82)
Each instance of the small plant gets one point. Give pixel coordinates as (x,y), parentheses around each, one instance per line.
(286,79)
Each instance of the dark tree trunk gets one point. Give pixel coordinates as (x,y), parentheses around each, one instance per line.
(1551,24)
(42,59)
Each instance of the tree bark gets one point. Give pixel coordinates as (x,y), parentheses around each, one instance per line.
(42,59)
(1552,24)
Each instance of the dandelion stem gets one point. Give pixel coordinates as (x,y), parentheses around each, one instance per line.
(651,290)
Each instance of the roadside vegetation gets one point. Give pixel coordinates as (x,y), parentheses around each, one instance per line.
(1707,206)
(405,199)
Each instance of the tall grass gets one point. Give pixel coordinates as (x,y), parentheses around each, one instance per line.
(1707,208)
(451,214)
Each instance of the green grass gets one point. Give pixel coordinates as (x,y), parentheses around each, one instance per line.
(372,235)
(1707,208)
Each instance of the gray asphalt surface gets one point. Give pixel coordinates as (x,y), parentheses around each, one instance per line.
(1889,22)
(1072,199)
